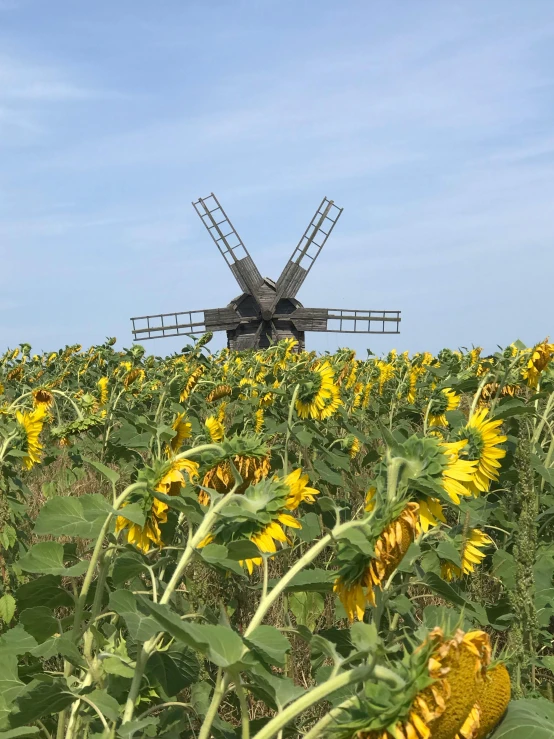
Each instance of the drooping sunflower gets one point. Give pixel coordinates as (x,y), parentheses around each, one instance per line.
(42,396)
(538,360)
(172,478)
(359,576)
(482,448)
(191,383)
(471,555)
(444,677)
(32,422)
(318,396)
(252,468)
(272,500)
(220,391)
(442,401)
(430,513)
(259,420)
(102,385)
(386,373)
(214,428)
(493,699)
(183,430)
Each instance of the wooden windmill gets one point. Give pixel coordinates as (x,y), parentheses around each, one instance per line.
(266,311)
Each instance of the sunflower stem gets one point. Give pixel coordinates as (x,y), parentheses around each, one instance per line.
(266,603)
(316,731)
(221,685)
(478,395)
(320,692)
(289,430)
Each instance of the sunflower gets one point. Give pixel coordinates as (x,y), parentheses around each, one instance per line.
(353,446)
(42,396)
(144,536)
(444,677)
(102,385)
(430,513)
(220,391)
(538,361)
(357,579)
(183,430)
(191,383)
(471,555)
(441,402)
(386,373)
(32,423)
(272,500)
(214,428)
(251,468)
(483,438)
(259,422)
(318,394)
(170,483)
(458,474)
(413,377)
(493,699)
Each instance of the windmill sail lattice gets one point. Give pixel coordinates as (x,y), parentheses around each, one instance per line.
(266,311)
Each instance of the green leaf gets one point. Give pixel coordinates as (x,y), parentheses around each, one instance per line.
(220,644)
(175,669)
(547,473)
(316,580)
(115,666)
(40,699)
(60,644)
(328,474)
(303,436)
(130,729)
(21,732)
(108,473)
(7,607)
(126,567)
(307,607)
(141,627)
(10,684)
(446,591)
(16,641)
(129,437)
(242,549)
(527,718)
(447,550)
(311,527)
(364,637)
(134,513)
(81,516)
(45,590)
(216,555)
(270,642)
(105,703)
(47,557)
(39,622)
(511,408)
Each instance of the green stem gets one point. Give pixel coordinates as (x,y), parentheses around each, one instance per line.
(221,685)
(192,544)
(266,603)
(289,429)
(320,692)
(316,731)
(96,554)
(478,395)
(244,712)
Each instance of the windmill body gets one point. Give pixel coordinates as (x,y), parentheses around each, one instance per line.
(266,311)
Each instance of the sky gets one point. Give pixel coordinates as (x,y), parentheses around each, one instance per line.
(431,123)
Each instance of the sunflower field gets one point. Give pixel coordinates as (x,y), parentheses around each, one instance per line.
(276,544)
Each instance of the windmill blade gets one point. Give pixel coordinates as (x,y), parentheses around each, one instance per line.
(346,321)
(185,322)
(308,249)
(229,244)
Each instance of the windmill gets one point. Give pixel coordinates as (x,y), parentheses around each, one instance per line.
(266,311)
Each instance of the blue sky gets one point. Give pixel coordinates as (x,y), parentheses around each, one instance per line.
(430,122)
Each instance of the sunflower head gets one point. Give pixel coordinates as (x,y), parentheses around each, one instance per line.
(443,677)
(31,423)
(42,396)
(183,430)
(442,401)
(318,396)
(215,429)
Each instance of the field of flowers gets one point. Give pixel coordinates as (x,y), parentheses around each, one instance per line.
(276,544)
